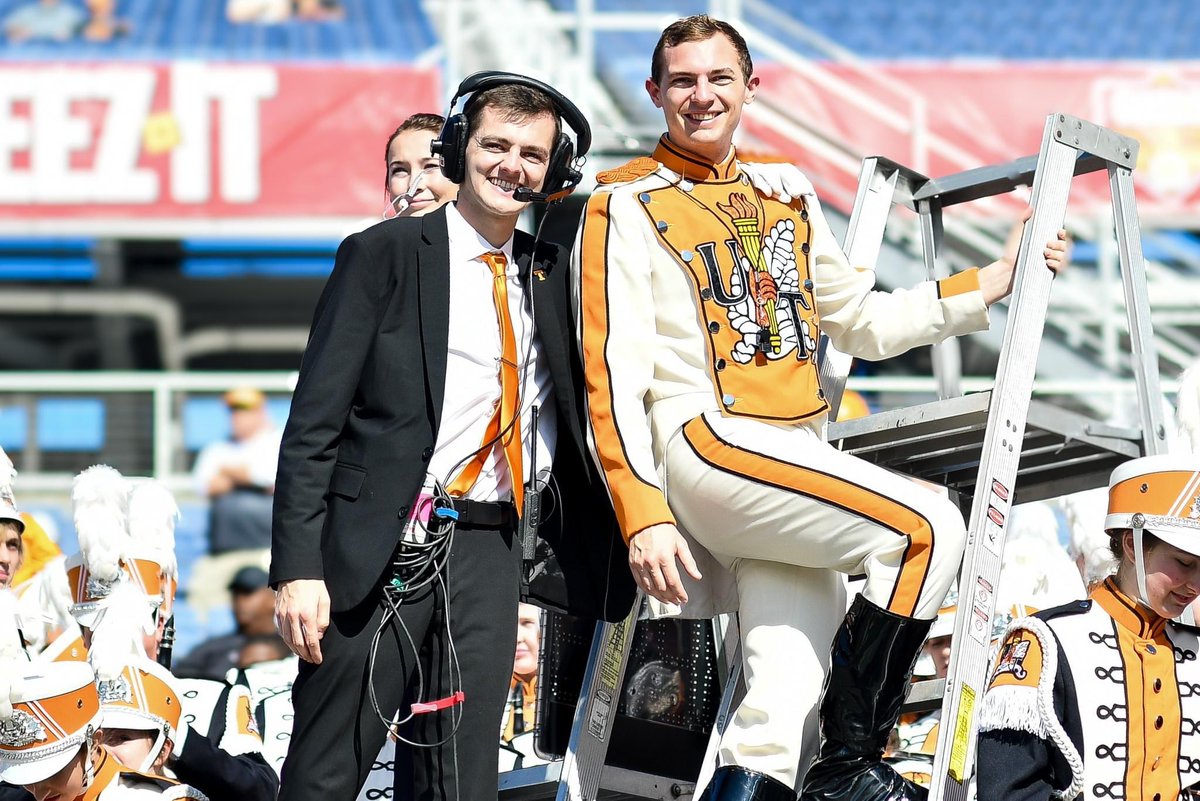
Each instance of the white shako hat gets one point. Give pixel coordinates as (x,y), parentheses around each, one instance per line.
(109,552)
(51,710)
(1159,494)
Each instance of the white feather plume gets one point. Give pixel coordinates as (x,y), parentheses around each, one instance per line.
(10,622)
(99,498)
(117,634)
(12,655)
(8,472)
(53,594)
(153,513)
(1187,407)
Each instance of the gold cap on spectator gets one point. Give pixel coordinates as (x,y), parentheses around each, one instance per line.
(245,398)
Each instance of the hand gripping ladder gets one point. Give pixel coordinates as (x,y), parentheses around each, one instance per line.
(1001,447)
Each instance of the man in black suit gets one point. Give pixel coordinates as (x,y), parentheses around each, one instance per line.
(408,376)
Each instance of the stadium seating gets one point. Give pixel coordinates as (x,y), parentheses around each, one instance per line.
(934,29)
(50,259)
(272,258)
(372,30)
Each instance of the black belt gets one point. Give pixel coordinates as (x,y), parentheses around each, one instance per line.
(484,514)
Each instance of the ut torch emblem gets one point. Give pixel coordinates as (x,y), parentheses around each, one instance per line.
(764,292)
(765,300)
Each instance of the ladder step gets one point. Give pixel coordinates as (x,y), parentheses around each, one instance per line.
(924,696)
(942,441)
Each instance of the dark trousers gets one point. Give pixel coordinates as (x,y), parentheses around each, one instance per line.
(337,734)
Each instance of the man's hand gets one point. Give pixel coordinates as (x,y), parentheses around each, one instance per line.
(302,615)
(652,555)
(779,180)
(996,279)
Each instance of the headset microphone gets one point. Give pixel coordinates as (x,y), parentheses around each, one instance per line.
(523,194)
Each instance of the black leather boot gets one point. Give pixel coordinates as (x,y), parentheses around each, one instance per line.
(871,664)
(733,783)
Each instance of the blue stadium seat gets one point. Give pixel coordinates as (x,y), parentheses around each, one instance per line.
(46,259)
(70,424)
(205,419)
(276,258)
(14,428)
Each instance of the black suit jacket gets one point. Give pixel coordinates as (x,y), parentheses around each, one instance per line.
(365,417)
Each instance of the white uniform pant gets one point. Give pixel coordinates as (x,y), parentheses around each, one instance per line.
(778,506)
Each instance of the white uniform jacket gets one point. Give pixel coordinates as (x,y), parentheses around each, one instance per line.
(675,265)
(1100,698)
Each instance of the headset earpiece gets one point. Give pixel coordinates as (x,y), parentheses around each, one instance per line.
(451,147)
(561,175)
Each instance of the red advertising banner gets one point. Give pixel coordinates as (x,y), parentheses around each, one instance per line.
(248,148)
(199,141)
(972,114)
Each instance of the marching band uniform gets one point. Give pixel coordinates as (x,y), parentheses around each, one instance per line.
(701,303)
(53,712)
(1101,698)
(126,536)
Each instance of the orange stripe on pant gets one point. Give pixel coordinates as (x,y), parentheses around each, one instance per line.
(835,491)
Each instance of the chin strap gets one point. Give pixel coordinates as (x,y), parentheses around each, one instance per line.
(160,740)
(1139,562)
(89,770)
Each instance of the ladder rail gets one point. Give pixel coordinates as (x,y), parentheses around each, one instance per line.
(1059,160)
(1144,354)
(596,710)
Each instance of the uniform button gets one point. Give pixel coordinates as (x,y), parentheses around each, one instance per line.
(661,225)
(714,327)
(1158,721)
(427,454)
(403,513)
(1150,649)
(728,399)
(720,365)
(644,197)
(804,248)
(808,284)
(686,255)
(1158,685)
(821,394)
(706,294)
(804,215)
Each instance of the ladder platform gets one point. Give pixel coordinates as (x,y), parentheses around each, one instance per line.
(540,782)
(1062,451)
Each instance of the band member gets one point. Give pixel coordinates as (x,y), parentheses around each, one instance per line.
(414,410)
(701,303)
(1097,699)
(50,739)
(124,578)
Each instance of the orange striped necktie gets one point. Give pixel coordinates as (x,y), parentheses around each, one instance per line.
(505,418)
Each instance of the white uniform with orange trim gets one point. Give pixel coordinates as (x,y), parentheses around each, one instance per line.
(691,426)
(1123,688)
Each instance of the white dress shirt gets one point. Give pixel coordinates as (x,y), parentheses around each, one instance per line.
(473,368)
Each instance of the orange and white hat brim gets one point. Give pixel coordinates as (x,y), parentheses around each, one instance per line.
(1160,494)
(54,712)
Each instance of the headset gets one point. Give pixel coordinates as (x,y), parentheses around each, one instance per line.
(562,177)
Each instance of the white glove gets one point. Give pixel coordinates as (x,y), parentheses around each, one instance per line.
(784,182)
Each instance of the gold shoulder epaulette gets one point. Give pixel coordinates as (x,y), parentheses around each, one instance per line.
(631,171)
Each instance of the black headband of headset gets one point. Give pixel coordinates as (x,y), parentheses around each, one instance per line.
(480,81)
